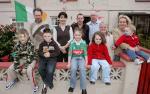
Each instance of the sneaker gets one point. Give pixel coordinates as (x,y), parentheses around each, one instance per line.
(148,61)
(35,89)
(44,89)
(92,82)
(84,91)
(138,61)
(11,84)
(107,83)
(70,89)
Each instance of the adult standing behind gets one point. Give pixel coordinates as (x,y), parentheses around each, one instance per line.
(93,25)
(109,39)
(81,27)
(63,35)
(37,27)
(123,22)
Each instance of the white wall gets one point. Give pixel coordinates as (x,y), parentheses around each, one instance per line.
(108,9)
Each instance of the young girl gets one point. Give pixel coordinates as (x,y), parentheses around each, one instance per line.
(24,60)
(98,56)
(77,59)
(109,39)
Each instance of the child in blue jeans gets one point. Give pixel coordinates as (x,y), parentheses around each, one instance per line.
(98,56)
(77,59)
(133,51)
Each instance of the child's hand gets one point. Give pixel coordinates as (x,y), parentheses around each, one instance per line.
(132,48)
(47,54)
(68,65)
(113,47)
(137,48)
(24,71)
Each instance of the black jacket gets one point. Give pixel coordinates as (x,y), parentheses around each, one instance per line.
(52,47)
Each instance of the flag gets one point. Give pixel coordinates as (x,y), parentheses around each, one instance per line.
(25,13)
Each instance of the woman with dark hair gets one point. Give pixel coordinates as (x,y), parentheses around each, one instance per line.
(63,35)
(98,56)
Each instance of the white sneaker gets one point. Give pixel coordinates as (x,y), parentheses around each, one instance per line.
(138,61)
(35,89)
(148,61)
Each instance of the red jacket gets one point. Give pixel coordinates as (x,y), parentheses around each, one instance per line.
(98,52)
(133,40)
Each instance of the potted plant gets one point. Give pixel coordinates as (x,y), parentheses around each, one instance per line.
(7,34)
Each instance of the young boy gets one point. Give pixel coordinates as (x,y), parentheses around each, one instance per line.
(24,60)
(133,52)
(48,52)
(77,59)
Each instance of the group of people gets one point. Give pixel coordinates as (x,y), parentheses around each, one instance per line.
(78,44)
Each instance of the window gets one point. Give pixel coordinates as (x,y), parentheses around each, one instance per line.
(54,20)
(18,25)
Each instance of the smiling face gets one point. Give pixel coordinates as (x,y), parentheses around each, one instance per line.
(62,19)
(77,35)
(123,23)
(38,16)
(23,38)
(80,19)
(103,28)
(47,37)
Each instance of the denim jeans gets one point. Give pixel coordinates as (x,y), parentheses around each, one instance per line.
(78,62)
(96,63)
(46,70)
(134,54)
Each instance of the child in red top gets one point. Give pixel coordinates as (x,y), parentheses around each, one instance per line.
(98,56)
(132,39)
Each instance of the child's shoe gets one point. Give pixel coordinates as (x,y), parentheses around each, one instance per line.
(107,83)
(138,61)
(148,61)
(44,89)
(84,91)
(11,84)
(35,89)
(92,82)
(70,89)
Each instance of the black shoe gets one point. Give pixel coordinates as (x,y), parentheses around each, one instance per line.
(44,89)
(51,86)
(92,82)
(84,91)
(107,83)
(70,89)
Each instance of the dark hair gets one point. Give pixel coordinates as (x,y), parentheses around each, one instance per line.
(47,30)
(23,31)
(38,9)
(79,14)
(101,35)
(63,13)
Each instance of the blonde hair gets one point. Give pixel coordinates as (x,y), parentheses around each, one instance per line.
(127,19)
(132,27)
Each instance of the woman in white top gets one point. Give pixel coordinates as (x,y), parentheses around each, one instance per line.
(63,35)
(109,39)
